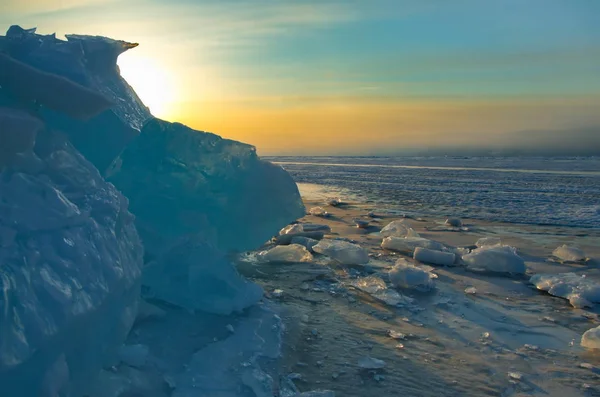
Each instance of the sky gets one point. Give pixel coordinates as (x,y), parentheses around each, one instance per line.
(357,77)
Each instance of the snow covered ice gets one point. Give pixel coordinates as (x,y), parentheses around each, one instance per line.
(343,252)
(577,289)
(496,258)
(569,254)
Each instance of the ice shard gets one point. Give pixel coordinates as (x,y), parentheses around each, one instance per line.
(91,62)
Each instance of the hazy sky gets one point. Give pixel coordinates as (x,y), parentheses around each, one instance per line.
(351,76)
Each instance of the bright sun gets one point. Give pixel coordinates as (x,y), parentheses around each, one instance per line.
(151,82)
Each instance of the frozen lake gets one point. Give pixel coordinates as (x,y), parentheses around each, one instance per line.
(543,191)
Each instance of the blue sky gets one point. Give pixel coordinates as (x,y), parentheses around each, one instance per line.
(282,74)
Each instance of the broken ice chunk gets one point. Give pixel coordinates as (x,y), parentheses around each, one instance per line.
(591,338)
(370,363)
(377,288)
(343,252)
(315,227)
(487,241)
(397,228)
(292,229)
(308,230)
(306,242)
(396,335)
(577,289)
(569,254)
(360,223)
(405,275)
(497,258)
(292,253)
(408,244)
(453,222)
(318,211)
(334,201)
(434,257)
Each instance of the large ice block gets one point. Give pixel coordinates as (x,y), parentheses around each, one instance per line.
(70,270)
(215,194)
(180,182)
(90,61)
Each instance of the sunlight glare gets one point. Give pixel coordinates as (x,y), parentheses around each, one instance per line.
(151,81)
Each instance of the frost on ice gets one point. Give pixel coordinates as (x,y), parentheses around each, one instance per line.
(578,290)
(343,252)
(496,258)
(406,275)
(569,254)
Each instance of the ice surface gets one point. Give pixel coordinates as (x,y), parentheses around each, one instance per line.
(17,134)
(496,258)
(455,176)
(406,275)
(315,227)
(569,254)
(224,367)
(196,276)
(91,62)
(487,241)
(434,257)
(591,338)
(292,253)
(317,393)
(408,244)
(71,267)
(134,355)
(579,290)
(343,252)
(371,363)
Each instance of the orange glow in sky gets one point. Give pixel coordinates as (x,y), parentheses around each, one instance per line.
(332,77)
